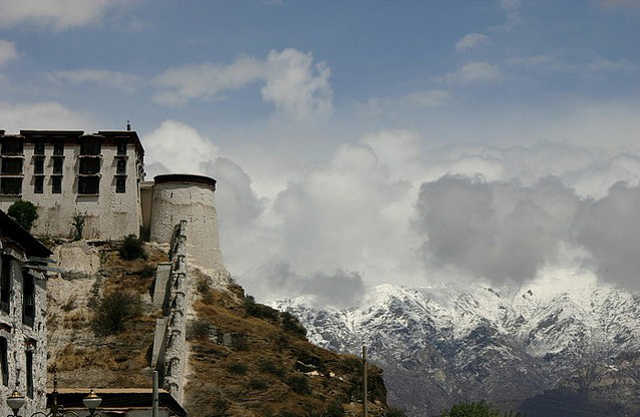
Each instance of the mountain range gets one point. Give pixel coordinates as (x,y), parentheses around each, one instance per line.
(550,348)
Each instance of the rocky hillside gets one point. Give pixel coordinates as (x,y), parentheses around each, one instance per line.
(445,345)
(245,359)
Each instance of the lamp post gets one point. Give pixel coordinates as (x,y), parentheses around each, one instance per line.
(16,400)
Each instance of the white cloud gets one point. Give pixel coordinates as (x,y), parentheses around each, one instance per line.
(429,98)
(178,148)
(47,115)
(56,15)
(471,40)
(7,52)
(298,88)
(425,99)
(206,81)
(120,80)
(473,72)
(571,61)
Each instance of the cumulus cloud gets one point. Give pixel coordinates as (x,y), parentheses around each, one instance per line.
(385,209)
(473,72)
(297,87)
(120,80)
(497,231)
(340,289)
(56,15)
(7,52)
(45,115)
(179,148)
(470,41)
(608,229)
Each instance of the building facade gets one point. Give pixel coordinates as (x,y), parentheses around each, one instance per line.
(23,307)
(75,177)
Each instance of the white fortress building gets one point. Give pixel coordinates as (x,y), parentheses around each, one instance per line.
(98,178)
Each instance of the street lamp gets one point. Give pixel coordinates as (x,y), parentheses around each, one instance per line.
(91,401)
(15,402)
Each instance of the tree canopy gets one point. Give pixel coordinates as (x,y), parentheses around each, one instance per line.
(475,409)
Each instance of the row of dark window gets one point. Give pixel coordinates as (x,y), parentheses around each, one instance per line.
(90,166)
(89,185)
(16,147)
(4,365)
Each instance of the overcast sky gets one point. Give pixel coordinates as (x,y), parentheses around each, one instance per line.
(359,143)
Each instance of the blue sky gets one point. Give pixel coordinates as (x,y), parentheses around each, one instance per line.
(326,123)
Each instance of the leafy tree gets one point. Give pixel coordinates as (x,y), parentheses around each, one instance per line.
(474,409)
(24,213)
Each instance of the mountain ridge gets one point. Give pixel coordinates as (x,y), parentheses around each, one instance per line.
(446,344)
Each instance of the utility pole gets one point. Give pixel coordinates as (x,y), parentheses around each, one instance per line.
(364,382)
(154,404)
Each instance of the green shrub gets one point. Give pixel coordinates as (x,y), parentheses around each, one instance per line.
(473,409)
(334,410)
(258,384)
(114,310)
(198,329)
(132,248)
(240,342)
(78,226)
(396,412)
(237,368)
(299,385)
(268,366)
(260,311)
(292,325)
(24,213)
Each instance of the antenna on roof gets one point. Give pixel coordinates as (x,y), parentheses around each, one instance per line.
(128,125)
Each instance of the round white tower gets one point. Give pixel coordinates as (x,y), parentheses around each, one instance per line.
(179,197)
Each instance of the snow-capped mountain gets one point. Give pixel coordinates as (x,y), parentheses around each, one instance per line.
(443,345)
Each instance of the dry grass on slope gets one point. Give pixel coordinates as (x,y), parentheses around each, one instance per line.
(86,356)
(269,370)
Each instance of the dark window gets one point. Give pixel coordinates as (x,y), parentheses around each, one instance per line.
(38,148)
(88,185)
(58,148)
(38,185)
(11,186)
(57,165)
(121,166)
(11,166)
(28,299)
(56,185)
(89,165)
(122,148)
(90,147)
(38,166)
(5,283)
(4,361)
(121,185)
(12,147)
(29,373)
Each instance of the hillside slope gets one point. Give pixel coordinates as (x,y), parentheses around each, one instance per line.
(245,359)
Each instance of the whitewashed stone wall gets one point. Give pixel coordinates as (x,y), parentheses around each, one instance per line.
(195,203)
(21,337)
(109,215)
(175,341)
